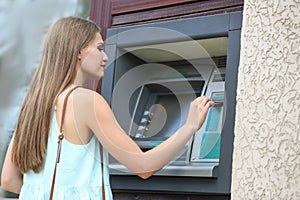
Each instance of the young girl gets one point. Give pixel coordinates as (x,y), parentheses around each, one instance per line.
(73,53)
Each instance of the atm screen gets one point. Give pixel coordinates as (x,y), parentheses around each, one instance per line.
(210,146)
(213,118)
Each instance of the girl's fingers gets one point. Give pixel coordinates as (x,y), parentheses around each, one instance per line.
(209,104)
(204,101)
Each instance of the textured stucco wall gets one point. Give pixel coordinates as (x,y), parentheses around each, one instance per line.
(266,158)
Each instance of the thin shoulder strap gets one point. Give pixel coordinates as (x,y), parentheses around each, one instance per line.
(60,138)
(102,170)
(64,108)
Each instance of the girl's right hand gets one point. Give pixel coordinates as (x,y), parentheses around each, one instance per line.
(198,111)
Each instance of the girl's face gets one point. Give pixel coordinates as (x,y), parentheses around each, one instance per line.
(92,59)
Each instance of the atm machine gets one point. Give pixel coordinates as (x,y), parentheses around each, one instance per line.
(160,106)
(153,74)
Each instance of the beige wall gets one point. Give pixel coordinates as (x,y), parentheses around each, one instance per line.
(266,159)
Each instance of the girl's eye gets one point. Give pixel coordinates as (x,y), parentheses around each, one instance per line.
(100,48)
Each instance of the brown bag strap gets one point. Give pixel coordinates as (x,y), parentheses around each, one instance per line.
(102,169)
(60,138)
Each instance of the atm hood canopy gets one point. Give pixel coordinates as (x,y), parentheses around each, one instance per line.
(173,51)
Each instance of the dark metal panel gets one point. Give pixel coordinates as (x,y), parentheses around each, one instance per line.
(196,27)
(227,136)
(235,20)
(163,196)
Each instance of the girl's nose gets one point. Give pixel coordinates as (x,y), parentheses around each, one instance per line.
(105,58)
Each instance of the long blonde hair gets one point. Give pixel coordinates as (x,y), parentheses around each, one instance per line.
(56,71)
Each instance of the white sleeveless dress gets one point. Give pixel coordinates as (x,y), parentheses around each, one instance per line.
(78,174)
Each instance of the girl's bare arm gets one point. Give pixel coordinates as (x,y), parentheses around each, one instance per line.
(104,125)
(11,177)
